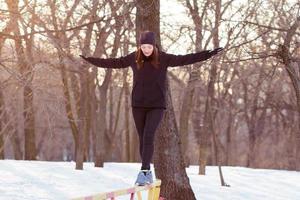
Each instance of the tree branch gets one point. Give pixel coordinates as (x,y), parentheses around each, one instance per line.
(51,31)
(260,25)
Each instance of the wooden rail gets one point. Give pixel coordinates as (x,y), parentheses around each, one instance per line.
(153,193)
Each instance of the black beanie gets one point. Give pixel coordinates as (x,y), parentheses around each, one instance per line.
(147,37)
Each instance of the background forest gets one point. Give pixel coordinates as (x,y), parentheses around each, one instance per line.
(53,105)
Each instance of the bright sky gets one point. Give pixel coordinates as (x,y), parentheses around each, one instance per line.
(174,13)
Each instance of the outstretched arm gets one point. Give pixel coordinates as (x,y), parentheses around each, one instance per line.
(120,62)
(179,60)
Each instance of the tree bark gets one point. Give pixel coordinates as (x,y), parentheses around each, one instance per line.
(169,163)
(147,18)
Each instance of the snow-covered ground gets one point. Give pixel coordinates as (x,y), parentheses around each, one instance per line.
(35,180)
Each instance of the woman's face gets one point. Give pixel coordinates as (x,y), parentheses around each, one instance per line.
(147,49)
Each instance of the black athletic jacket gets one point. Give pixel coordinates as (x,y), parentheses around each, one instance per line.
(149,82)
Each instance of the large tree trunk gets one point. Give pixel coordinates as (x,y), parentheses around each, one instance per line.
(169,158)
(147,18)
(168,155)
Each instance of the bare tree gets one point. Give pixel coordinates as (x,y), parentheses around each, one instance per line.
(27,72)
(292,65)
(286,32)
(252,109)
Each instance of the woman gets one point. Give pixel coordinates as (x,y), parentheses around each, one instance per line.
(149,66)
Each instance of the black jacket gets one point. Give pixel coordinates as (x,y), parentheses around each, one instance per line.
(149,82)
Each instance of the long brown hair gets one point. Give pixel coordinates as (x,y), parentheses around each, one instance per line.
(154,58)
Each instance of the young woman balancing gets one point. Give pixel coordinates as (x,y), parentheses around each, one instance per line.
(149,66)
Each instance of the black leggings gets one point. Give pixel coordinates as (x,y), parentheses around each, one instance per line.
(146,122)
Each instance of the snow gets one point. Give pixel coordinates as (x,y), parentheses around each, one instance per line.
(32,180)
